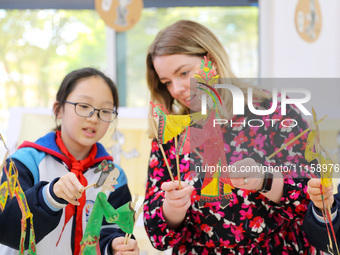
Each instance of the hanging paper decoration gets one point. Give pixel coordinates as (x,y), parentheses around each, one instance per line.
(207,77)
(11,188)
(183,142)
(158,109)
(171,125)
(206,73)
(309,152)
(3,195)
(313,141)
(217,185)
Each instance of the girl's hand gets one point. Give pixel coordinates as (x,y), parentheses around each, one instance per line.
(314,192)
(69,188)
(176,202)
(119,248)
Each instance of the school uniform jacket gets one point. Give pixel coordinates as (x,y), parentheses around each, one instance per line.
(40,165)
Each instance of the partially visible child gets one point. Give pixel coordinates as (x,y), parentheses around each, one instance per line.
(314,223)
(54,169)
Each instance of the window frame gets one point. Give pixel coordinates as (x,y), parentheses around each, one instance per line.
(118,39)
(89,4)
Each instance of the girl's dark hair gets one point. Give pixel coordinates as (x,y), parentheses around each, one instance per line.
(71,80)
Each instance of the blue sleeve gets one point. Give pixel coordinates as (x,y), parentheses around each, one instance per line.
(119,197)
(44,219)
(316,231)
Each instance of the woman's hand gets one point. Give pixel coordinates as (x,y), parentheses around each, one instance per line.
(314,192)
(176,202)
(68,188)
(119,248)
(246,174)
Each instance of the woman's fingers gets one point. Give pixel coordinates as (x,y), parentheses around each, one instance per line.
(177,194)
(177,198)
(179,202)
(167,186)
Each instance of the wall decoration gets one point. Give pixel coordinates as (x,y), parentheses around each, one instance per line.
(120,15)
(308,19)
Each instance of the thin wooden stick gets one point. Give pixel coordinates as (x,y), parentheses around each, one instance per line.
(177,163)
(161,147)
(199,154)
(126,238)
(88,186)
(294,139)
(331,225)
(137,213)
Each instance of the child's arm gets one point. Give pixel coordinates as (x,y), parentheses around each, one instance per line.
(314,224)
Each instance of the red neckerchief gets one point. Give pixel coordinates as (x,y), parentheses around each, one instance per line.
(78,167)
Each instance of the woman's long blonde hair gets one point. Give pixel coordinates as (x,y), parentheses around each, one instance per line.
(190,38)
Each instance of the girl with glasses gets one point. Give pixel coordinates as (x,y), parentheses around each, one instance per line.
(54,170)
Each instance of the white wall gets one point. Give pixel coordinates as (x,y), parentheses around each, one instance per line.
(283,53)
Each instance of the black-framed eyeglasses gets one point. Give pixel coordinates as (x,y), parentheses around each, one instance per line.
(87,110)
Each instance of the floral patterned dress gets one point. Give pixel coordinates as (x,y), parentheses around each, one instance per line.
(251,223)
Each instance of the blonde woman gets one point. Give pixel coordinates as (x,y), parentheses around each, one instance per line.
(262,216)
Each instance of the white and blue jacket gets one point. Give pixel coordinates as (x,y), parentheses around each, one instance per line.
(40,165)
